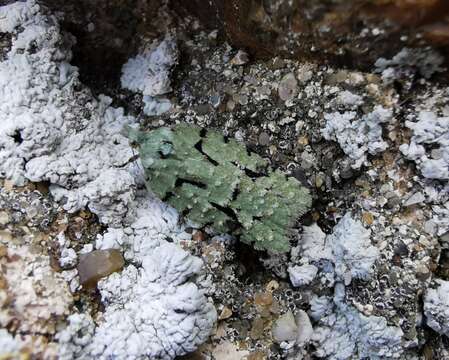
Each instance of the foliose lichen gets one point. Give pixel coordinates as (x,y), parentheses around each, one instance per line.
(342,332)
(436,306)
(54,130)
(216,181)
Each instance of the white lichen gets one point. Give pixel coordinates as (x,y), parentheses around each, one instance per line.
(358,136)
(30,125)
(50,132)
(430,131)
(149,74)
(345,254)
(68,257)
(302,275)
(313,244)
(441,218)
(436,306)
(354,256)
(408,61)
(348,99)
(9,346)
(154,223)
(76,339)
(342,332)
(155,106)
(168,313)
(158,291)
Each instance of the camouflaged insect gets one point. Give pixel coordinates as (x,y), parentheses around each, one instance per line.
(216,182)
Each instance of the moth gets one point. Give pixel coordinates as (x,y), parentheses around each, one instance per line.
(215,181)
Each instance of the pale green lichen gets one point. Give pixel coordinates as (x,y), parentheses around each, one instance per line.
(217,182)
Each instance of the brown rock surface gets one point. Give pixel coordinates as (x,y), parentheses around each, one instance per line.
(98,264)
(350,33)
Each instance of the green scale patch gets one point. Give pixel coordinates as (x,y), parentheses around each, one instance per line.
(217,182)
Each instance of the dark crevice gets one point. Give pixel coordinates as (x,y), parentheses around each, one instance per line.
(185,213)
(398,86)
(17,137)
(235,194)
(179,182)
(248,150)
(300,175)
(199,147)
(430,147)
(203,132)
(131,160)
(5,45)
(226,210)
(162,155)
(234,227)
(167,196)
(252,174)
(250,261)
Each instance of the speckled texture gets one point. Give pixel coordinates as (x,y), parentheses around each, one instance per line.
(376,234)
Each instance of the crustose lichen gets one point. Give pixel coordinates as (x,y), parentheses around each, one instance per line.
(215,181)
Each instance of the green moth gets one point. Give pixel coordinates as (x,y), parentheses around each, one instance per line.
(214,181)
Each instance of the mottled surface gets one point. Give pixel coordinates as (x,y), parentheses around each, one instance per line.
(369,263)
